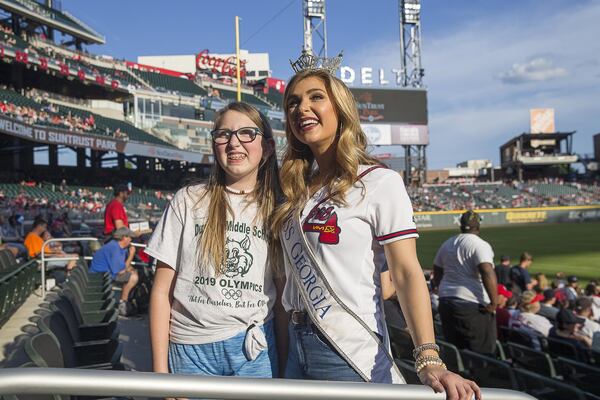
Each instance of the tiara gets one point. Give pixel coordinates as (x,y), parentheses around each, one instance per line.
(309,62)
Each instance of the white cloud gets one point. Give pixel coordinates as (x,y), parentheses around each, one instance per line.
(471,111)
(538,69)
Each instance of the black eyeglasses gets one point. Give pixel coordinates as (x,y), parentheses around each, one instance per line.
(244,135)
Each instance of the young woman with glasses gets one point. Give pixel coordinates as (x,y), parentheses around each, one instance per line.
(214,304)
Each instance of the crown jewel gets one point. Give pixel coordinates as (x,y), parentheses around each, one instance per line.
(309,62)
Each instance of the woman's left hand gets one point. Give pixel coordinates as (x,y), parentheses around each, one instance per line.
(455,386)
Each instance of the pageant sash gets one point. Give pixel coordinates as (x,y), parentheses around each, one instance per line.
(350,336)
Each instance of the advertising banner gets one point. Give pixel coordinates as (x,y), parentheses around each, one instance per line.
(510,216)
(58,136)
(399,106)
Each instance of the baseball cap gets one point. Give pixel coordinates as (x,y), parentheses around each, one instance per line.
(122,232)
(548,294)
(469,221)
(566,317)
(504,258)
(530,297)
(571,279)
(504,291)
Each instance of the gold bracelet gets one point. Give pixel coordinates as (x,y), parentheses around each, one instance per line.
(425,361)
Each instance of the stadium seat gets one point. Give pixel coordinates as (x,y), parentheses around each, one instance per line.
(532,360)
(500,353)
(75,352)
(401,343)
(584,376)
(408,371)
(562,348)
(451,356)
(544,388)
(87,331)
(487,371)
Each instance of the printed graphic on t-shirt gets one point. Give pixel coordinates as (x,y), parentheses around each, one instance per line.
(228,289)
(237,259)
(322,219)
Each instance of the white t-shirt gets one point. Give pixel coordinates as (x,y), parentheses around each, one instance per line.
(349,241)
(206,307)
(590,327)
(536,322)
(459,256)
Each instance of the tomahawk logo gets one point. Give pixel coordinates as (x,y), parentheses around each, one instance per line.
(324,221)
(237,259)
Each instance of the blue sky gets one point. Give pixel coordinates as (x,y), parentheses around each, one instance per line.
(486,62)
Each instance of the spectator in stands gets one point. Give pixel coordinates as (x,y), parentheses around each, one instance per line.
(34,242)
(569,329)
(547,308)
(519,275)
(11,239)
(528,318)
(542,282)
(571,290)
(115,215)
(503,271)
(464,273)
(593,291)
(115,257)
(590,328)
(502,314)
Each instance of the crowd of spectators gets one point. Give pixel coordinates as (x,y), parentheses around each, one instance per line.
(445,197)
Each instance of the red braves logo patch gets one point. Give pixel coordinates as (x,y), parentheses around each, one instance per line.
(324,221)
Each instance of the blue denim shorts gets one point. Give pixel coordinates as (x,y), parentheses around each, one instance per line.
(225,358)
(311,356)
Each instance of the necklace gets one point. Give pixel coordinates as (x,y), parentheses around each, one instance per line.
(238,192)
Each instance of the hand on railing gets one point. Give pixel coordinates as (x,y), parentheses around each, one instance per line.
(455,386)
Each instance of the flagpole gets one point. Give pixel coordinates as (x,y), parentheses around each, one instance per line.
(237,58)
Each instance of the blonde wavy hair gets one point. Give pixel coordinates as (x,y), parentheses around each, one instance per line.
(350,152)
(266,194)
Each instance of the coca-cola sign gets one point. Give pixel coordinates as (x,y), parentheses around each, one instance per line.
(219,65)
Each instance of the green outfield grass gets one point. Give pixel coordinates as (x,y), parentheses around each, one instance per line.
(573,248)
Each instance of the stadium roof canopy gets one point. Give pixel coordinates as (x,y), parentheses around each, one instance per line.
(525,137)
(61,21)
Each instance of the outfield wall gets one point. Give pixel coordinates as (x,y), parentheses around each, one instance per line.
(509,216)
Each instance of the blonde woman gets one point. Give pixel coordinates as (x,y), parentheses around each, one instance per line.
(343,217)
(213,302)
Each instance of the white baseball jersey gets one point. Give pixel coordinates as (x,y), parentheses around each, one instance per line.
(209,307)
(348,240)
(460,256)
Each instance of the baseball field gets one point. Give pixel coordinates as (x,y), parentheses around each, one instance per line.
(572,248)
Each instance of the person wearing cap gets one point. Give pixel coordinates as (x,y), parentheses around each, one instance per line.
(533,323)
(464,274)
(590,328)
(569,329)
(519,274)
(571,290)
(502,314)
(547,308)
(115,215)
(115,257)
(503,271)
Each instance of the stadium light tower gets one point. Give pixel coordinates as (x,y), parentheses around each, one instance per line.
(313,12)
(410,43)
(412,72)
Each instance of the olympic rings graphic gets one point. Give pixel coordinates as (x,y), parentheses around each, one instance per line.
(231,294)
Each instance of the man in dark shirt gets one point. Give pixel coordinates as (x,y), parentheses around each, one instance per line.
(519,275)
(503,271)
(547,308)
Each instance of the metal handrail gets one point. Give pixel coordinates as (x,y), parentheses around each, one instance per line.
(44,259)
(80,382)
